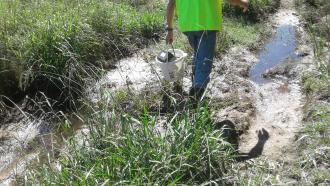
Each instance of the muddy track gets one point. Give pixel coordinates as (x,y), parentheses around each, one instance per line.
(279,101)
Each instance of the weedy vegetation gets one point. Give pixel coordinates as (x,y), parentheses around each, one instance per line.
(133,149)
(315,138)
(52,46)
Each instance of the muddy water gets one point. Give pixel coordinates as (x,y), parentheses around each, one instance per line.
(278,102)
(280,48)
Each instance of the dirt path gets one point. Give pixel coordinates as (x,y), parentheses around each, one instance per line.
(278,118)
(278,105)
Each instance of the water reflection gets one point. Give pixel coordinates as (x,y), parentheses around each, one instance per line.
(281,47)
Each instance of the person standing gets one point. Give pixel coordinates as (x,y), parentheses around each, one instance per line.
(199,20)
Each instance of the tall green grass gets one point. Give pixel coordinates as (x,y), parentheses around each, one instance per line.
(127,149)
(44,38)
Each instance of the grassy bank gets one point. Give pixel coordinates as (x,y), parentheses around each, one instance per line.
(132,150)
(54,44)
(315,138)
(259,10)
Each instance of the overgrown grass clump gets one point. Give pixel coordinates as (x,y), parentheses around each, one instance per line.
(50,41)
(133,149)
(236,31)
(317,17)
(315,138)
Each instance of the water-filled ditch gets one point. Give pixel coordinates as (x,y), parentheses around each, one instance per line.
(281,47)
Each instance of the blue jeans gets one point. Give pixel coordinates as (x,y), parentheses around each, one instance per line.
(203,44)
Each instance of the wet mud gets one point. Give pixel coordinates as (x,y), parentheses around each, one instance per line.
(278,95)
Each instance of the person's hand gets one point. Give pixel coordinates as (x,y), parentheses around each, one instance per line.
(241,3)
(169,37)
(244,4)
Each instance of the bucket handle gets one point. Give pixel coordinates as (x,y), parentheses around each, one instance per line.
(173,49)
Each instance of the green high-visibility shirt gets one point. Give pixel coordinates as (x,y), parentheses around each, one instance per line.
(197,15)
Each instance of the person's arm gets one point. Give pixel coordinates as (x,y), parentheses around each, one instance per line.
(241,3)
(170,17)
